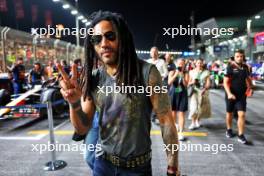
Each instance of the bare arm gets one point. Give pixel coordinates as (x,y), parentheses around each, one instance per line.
(162,108)
(227,79)
(81,111)
(172,77)
(206,85)
(226,85)
(186,79)
(207,82)
(164,71)
(81,116)
(227,88)
(249,79)
(190,79)
(29,77)
(249,82)
(43,78)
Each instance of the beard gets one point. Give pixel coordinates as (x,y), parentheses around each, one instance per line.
(239,62)
(109,60)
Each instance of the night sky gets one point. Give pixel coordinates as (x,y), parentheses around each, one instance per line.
(146,19)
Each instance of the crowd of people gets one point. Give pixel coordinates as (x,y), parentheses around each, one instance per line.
(181,75)
(191,78)
(38,74)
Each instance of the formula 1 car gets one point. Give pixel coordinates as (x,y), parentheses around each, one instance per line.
(32,102)
(217,78)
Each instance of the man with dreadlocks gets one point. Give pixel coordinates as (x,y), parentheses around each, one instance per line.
(124,118)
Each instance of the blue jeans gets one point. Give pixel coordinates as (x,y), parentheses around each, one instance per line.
(105,168)
(18,88)
(91,138)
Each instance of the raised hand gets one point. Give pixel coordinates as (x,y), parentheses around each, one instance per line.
(70,89)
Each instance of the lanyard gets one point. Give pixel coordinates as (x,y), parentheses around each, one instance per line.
(199,75)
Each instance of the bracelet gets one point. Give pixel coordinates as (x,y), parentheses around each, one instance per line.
(174,169)
(168,174)
(75,104)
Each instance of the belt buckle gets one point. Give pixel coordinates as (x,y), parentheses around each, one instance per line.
(133,163)
(138,161)
(142,159)
(128,164)
(115,160)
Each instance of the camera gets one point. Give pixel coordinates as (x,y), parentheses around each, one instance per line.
(197,82)
(179,69)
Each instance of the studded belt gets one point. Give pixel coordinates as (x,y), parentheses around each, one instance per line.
(132,162)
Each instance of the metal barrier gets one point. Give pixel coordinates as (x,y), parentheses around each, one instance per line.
(53,164)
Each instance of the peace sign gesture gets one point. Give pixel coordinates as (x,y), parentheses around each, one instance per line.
(70,89)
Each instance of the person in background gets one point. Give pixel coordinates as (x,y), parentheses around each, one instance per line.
(159,63)
(65,66)
(162,68)
(55,71)
(1,69)
(178,81)
(49,69)
(199,104)
(170,65)
(78,62)
(18,75)
(236,82)
(36,74)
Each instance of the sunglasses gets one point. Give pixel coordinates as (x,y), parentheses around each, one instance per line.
(96,39)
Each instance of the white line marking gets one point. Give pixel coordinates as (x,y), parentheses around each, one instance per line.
(63,123)
(19,138)
(35,138)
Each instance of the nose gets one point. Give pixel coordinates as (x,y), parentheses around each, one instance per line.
(104,42)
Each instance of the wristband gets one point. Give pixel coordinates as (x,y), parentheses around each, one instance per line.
(174,169)
(75,104)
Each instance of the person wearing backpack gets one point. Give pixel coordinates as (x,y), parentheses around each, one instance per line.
(237,83)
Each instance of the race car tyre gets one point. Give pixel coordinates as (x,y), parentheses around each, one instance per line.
(52,95)
(5,97)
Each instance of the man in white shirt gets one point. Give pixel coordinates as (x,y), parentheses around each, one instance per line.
(159,63)
(162,68)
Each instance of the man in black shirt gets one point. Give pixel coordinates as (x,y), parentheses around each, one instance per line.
(36,75)
(18,73)
(236,83)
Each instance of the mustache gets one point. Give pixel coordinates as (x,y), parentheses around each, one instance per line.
(107,49)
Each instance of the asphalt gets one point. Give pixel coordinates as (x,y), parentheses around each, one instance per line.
(17,157)
(259,85)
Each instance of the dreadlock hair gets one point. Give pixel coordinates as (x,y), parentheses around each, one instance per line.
(128,67)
